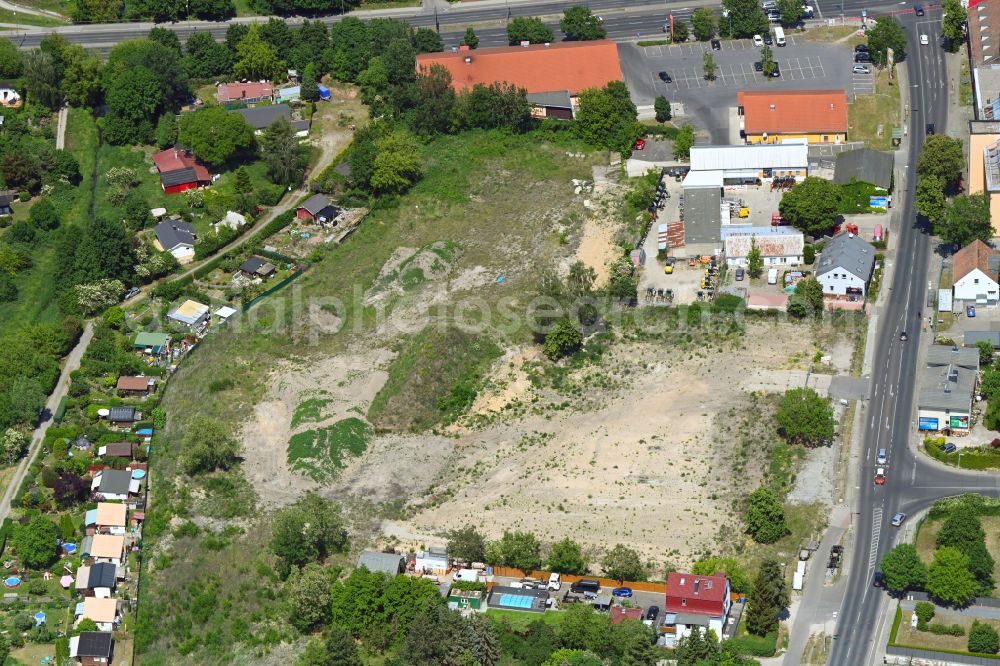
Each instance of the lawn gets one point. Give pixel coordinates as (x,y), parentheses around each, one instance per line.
(870,118)
(908,636)
(23,19)
(828,33)
(64,7)
(930,528)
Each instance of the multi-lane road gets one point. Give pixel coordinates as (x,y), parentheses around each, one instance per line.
(914,482)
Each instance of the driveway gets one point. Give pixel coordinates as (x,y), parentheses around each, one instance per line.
(804,66)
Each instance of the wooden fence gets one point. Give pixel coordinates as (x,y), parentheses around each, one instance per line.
(568,578)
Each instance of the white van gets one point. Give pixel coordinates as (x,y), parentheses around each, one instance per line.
(772,276)
(779,36)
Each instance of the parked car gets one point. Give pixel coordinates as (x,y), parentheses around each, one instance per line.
(861,69)
(924,40)
(769,4)
(758,66)
(623,592)
(949,448)
(554,583)
(665,77)
(668,268)
(880,476)
(772,276)
(862,56)
(882,457)
(970,311)
(716,46)
(586,586)
(808,12)
(777,71)
(768,39)
(130,293)
(740,273)
(653,612)
(898,519)
(758,41)
(861,48)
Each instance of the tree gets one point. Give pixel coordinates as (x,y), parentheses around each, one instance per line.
(886,34)
(467,544)
(43,215)
(310,87)
(20,170)
(745,18)
(811,205)
(212,10)
(568,657)
(566,557)
(983,638)
(730,567)
(680,31)
(13,444)
(563,340)
(286,165)
(520,550)
(580,281)
(924,611)
(470,39)
(162,62)
(397,162)
(207,447)
(166,37)
(902,569)
(206,57)
(683,142)
(985,353)
(807,299)
(81,82)
(930,198)
(256,59)
(579,24)
(769,599)
(308,593)
(967,218)
(584,629)
(943,157)
(166,131)
(622,282)
(662,108)
(307,531)
(765,516)
(337,648)
(953,24)
(435,103)
(42,79)
(11,61)
(805,417)
(755,262)
(703,23)
(623,563)
(949,579)
(528,29)
(708,65)
(767,63)
(790,11)
(35,543)
(214,134)
(699,648)
(607,117)
(963,529)
(132,100)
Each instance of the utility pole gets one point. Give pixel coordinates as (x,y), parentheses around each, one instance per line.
(437,25)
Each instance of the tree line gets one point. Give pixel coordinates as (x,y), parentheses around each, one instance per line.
(958,219)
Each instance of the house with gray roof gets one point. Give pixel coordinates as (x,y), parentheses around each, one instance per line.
(317,208)
(972,337)
(176,237)
(390,563)
(845,267)
(262,117)
(945,400)
(865,166)
(114,484)
(123,415)
(964,357)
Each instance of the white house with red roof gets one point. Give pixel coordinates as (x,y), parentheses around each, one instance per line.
(695,602)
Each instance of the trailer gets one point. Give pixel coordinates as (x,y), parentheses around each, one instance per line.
(661,237)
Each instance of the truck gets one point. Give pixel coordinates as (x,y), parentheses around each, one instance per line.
(772,276)
(779,36)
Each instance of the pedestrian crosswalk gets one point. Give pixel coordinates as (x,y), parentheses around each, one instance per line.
(876,532)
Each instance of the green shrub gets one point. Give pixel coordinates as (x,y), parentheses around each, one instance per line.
(946,629)
(925,613)
(755,646)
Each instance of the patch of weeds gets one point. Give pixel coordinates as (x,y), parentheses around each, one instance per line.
(412,278)
(309,411)
(319,454)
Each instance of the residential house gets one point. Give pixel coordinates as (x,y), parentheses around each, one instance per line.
(102,611)
(779,246)
(9,96)
(318,208)
(152,343)
(432,561)
(945,399)
(180,170)
(975,274)
(262,117)
(777,116)
(845,267)
(695,602)
(550,73)
(943,355)
(390,563)
(116,450)
(118,415)
(97,580)
(107,518)
(191,313)
(114,485)
(972,337)
(244,93)
(176,237)
(139,386)
(91,648)
(5,204)
(463,599)
(718,166)
(106,548)
(257,268)
(864,165)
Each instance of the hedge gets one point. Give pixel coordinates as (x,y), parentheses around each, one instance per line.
(5,530)
(755,646)
(976,458)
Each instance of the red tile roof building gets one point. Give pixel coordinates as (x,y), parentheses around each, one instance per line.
(249,93)
(180,170)
(771,116)
(701,595)
(539,68)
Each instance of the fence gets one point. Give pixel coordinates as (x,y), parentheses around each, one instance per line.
(568,578)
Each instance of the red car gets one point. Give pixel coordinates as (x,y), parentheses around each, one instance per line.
(640,144)
(880,476)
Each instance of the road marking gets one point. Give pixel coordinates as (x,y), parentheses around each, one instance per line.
(876,533)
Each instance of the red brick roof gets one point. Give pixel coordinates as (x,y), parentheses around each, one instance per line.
(570,66)
(233,92)
(175,159)
(709,599)
(974,255)
(133,383)
(619,615)
(782,112)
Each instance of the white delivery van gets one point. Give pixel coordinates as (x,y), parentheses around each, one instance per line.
(779,36)
(772,276)
(554,582)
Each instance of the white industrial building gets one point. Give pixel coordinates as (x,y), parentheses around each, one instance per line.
(779,246)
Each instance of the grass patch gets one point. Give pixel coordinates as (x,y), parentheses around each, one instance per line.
(433,380)
(319,454)
(964,84)
(653,42)
(309,411)
(388,4)
(23,18)
(830,33)
(928,531)
(910,637)
(867,113)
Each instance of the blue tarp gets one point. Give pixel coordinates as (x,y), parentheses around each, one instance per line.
(324,92)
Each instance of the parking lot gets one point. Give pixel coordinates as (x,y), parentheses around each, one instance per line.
(803,65)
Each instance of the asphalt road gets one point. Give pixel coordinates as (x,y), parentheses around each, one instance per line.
(914,482)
